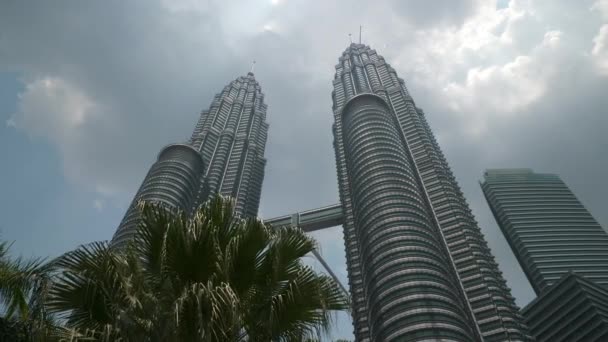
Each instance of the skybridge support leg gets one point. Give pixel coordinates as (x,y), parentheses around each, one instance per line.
(312,220)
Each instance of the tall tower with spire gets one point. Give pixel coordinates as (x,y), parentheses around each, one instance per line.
(419,267)
(225,155)
(231,137)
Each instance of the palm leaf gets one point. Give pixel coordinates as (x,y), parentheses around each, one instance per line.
(17,279)
(207,312)
(90,286)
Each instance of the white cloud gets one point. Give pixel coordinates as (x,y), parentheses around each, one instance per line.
(498,64)
(507,88)
(487,68)
(601,6)
(439,55)
(600,49)
(98,204)
(501,89)
(552,38)
(52,108)
(56,110)
(269,27)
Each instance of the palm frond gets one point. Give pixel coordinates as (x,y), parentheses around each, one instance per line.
(249,243)
(305,305)
(208,312)
(282,259)
(220,213)
(17,279)
(90,286)
(155,221)
(289,301)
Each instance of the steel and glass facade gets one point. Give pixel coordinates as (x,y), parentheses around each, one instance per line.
(174,180)
(573,309)
(419,267)
(549,230)
(231,136)
(225,155)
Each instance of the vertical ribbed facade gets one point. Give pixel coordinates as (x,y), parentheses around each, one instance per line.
(224,155)
(419,267)
(549,230)
(231,136)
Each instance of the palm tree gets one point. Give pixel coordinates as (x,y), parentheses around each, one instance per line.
(24,285)
(210,277)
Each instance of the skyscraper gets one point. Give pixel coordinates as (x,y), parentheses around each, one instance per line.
(562,250)
(224,155)
(549,230)
(419,267)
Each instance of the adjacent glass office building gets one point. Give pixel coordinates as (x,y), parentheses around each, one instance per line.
(419,267)
(574,309)
(224,155)
(562,250)
(549,230)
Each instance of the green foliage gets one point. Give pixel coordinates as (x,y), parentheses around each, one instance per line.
(211,277)
(17,279)
(24,286)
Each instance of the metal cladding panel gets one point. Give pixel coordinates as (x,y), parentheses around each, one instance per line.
(571,310)
(548,228)
(231,135)
(174,180)
(485,299)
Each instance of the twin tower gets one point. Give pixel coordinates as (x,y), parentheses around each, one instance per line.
(419,268)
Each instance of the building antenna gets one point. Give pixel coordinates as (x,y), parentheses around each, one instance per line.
(360,29)
(252,66)
(350,36)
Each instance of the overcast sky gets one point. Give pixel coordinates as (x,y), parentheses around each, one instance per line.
(90,92)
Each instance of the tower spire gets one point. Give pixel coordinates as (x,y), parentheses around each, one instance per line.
(360,29)
(350,37)
(252,66)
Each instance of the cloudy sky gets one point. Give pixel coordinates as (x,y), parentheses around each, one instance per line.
(90,91)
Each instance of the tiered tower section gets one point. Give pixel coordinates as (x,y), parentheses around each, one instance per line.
(224,155)
(419,267)
(231,136)
(174,180)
